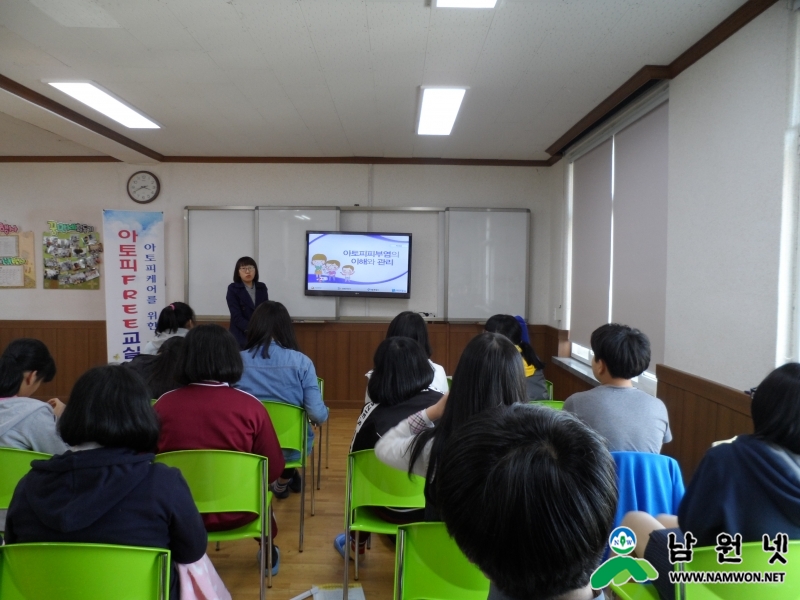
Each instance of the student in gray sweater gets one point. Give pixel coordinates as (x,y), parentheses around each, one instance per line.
(630,419)
(26,423)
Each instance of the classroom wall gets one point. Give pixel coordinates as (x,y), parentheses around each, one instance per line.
(728,115)
(33,193)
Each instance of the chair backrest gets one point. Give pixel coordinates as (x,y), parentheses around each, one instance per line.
(221,480)
(754,558)
(449,381)
(321,384)
(14,464)
(429,564)
(83,572)
(372,483)
(554,404)
(549,387)
(290,423)
(648,482)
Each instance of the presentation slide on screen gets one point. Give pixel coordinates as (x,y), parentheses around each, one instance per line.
(369,262)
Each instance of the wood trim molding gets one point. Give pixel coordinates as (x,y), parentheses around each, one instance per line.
(716,392)
(60,159)
(46,103)
(650,73)
(640,80)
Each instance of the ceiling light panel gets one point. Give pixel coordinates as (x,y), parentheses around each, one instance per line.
(465,3)
(439,110)
(101,101)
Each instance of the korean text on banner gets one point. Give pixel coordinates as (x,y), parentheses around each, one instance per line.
(134,286)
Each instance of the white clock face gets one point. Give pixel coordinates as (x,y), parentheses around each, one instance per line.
(143,187)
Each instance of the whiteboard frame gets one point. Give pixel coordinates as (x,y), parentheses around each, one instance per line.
(448,210)
(338,228)
(340,209)
(186,210)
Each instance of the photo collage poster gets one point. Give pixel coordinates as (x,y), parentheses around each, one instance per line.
(72,253)
(17,260)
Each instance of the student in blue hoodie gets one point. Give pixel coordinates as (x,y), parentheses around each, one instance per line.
(750,486)
(106,489)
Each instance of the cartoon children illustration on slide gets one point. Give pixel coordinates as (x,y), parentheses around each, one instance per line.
(331,267)
(318,260)
(347,272)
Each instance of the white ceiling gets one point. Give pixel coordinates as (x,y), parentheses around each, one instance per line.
(339,77)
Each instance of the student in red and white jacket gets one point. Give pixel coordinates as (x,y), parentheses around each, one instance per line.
(208,414)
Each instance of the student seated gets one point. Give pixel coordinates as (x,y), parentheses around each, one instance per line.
(106,489)
(275,369)
(750,486)
(26,423)
(399,387)
(489,374)
(160,372)
(412,325)
(630,419)
(174,320)
(534,367)
(529,495)
(208,414)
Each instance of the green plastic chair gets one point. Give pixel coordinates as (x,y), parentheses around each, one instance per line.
(753,559)
(429,564)
(291,426)
(14,464)
(449,381)
(372,483)
(549,387)
(226,481)
(83,572)
(153,401)
(554,404)
(635,591)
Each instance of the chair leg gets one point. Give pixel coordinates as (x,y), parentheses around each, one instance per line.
(347,541)
(319,457)
(345,585)
(369,542)
(217,547)
(328,442)
(313,496)
(302,506)
(269,552)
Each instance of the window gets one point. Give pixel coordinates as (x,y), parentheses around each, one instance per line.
(619,229)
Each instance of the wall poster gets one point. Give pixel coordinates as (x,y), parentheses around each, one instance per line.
(73,253)
(134,279)
(17,260)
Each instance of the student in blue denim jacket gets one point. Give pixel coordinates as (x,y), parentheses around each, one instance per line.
(275,369)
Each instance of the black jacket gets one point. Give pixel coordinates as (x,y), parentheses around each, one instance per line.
(108,496)
(377,419)
(241,308)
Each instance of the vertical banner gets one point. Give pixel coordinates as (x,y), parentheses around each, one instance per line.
(134,274)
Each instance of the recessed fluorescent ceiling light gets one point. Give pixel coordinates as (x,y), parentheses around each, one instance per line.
(439,110)
(465,3)
(102,102)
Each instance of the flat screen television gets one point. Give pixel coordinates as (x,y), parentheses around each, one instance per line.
(362,264)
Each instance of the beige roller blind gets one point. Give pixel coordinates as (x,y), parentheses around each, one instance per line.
(591,242)
(639,280)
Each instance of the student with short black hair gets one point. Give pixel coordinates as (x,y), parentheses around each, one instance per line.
(27,423)
(399,387)
(107,490)
(411,325)
(160,372)
(631,420)
(489,374)
(208,414)
(244,295)
(529,494)
(534,367)
(275,369)
(175,319)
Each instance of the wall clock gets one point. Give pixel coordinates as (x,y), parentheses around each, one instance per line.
(143,187)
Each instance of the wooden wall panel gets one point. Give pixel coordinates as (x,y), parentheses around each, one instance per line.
(700,413)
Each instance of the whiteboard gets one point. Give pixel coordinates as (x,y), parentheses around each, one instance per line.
(216,240)
(282,255)
(487,263)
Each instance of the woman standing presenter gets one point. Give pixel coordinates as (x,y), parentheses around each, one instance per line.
(244,295)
